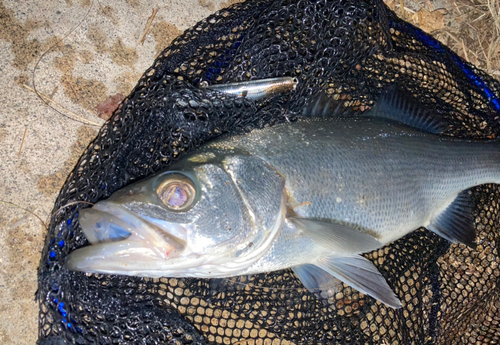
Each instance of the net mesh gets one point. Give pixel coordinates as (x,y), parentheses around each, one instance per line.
(350,49)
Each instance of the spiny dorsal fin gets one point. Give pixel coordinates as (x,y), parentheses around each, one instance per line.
(323,105)
(393,104)
(399,105)
(456,222)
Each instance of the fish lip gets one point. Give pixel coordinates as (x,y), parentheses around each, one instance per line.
(137,226)
(97,221)
(139,245)
(98,231)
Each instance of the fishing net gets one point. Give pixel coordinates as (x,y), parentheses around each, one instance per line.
(349,49)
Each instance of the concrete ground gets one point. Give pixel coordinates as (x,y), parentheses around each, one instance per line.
(77,53)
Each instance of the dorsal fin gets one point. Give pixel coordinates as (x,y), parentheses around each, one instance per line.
(324,105)
(393,104)
(399,105)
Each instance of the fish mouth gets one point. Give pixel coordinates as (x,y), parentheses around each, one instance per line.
(124,242)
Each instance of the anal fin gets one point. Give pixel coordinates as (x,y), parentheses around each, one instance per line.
(456,222)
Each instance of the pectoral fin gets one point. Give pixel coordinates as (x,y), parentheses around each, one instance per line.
(456,222)
(336,237)
(362,275)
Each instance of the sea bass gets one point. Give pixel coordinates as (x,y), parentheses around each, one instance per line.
(310,196)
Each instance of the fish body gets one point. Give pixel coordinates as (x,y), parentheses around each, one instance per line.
(310,195)
(381,177)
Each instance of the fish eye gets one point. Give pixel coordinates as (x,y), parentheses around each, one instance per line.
(177,192)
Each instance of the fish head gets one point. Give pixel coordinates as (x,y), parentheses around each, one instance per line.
(196,220)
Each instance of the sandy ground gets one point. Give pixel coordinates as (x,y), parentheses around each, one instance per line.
(77,54)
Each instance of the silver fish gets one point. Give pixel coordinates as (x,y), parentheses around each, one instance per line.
(255,89)
(310,196)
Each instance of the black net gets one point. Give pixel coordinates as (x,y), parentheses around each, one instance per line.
(351,49)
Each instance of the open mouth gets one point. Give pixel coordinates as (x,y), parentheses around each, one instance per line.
(100,226)
(123,241)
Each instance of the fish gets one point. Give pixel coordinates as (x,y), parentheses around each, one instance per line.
(311,195)
(255,89)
